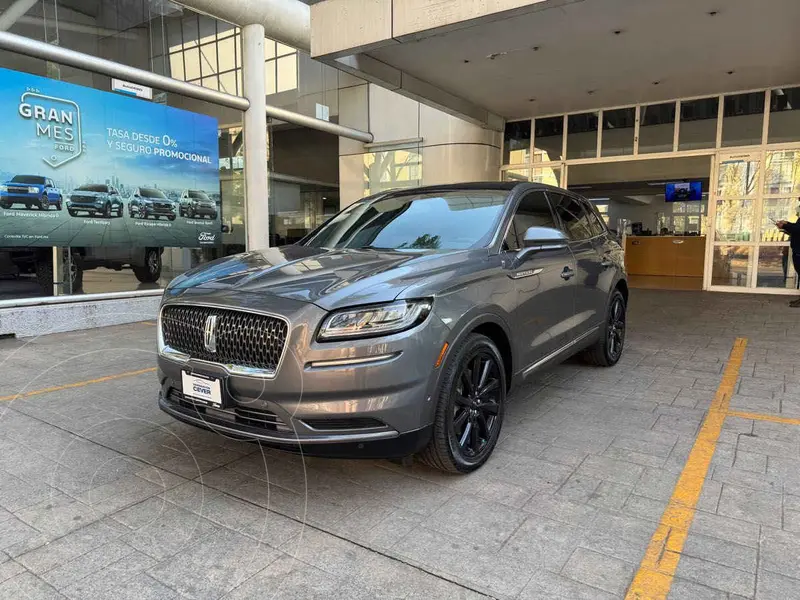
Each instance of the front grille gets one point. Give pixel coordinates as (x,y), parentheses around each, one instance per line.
(18,190)
(242,339)
(162,205)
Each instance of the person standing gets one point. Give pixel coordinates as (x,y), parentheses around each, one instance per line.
(793,231)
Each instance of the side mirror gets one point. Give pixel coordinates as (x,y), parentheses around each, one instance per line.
(539,239)
(544,238)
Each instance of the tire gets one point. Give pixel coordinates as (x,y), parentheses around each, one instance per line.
(607,351)
(190,213)
(72,213)
(44,202)
(5,205)
(59,204)
(151,270)
(44,274)
(459,447)
(107,210)
(171,217)
(142,213)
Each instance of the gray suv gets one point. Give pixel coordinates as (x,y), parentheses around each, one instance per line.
(397,327)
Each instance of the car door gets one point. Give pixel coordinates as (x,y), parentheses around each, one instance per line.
(608,250)
(589,299)
(543,281)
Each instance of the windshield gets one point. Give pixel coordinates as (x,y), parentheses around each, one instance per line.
(91,188)
(435,221)
(198,195)
(28,179)
(151,193)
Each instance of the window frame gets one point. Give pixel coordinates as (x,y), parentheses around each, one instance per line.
(579,201)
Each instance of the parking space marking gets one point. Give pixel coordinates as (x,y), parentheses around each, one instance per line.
(77,384)
(764,417)
(653,579)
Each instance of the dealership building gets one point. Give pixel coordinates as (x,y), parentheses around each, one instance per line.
(171,133)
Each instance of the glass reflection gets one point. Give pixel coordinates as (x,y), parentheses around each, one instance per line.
(618,129)
(548,139)
(656,128)
(698,126)
(777,209)
(782,172)
(517,143)
(784,115)
(742,119)
(734,220)
(731,266)
(775,269)
(737,178)
(517,175)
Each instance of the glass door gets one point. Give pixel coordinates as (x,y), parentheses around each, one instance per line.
(754,190)
(780,192)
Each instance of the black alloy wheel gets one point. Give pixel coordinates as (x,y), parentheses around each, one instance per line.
(44,202)
(107,210)
(616,328)
(470,408)
(608,349)
(475,405)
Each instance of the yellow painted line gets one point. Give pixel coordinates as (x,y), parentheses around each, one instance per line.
(653,580)
(763,417)
(151,323)
(77,384)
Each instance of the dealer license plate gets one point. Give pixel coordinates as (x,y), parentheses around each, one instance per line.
(201,388)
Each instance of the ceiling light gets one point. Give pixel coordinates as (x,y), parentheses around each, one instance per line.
(617,31)
(466,61)
(656,82)
(590,92)
(535,48)
(712,13)
(531,99)
(731,72)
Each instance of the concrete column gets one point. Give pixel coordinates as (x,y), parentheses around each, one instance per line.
(256,143)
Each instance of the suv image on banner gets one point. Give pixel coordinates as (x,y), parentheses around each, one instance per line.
(150,202)
(398,326)
(196,203)
(32,191)
(95,199)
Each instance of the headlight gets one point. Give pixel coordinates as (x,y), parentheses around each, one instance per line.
(375,320)
(33,190)
(3,188)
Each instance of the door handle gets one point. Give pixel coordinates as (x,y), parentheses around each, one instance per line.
(567,274)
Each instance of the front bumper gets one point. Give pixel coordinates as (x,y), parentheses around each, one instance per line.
(19,198)
(200,209)
(374,397)
(161,212)
(90,205)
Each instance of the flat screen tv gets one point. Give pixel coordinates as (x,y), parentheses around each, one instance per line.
(684,191)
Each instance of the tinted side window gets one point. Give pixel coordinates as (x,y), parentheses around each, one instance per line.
(532,211)
(574,218)
(595,222)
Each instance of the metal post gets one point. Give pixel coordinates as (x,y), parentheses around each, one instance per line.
(256,146)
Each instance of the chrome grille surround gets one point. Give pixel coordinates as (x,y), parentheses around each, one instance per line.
(247,343)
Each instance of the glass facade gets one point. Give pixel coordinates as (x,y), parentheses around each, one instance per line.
(738,210)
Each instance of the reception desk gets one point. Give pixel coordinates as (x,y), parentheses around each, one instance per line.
(665,255)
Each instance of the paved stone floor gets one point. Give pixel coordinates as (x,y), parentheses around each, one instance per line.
(103,496)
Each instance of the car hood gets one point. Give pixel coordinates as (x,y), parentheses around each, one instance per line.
(17,184)
(328,278)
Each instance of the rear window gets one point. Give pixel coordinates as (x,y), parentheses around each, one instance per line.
(452,220)
(151,193)
(28,179)
(91,187)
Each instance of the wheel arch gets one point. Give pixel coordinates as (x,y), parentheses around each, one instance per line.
(622,286)
(497,330)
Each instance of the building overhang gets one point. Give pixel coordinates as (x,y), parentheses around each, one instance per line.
(507,59)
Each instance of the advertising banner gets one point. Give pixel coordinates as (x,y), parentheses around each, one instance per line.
(83,167)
